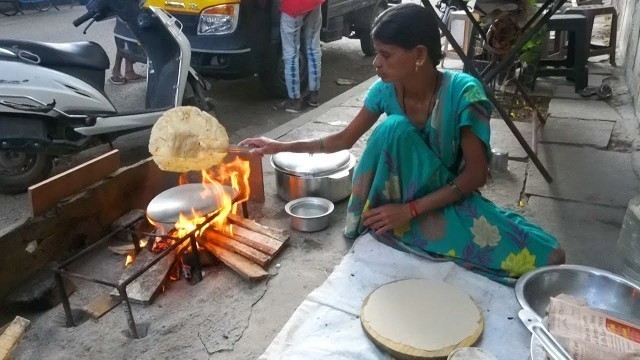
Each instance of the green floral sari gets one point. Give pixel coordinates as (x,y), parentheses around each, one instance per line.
(402,162)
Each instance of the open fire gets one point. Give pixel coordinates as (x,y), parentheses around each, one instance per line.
(185,225)
(235,174)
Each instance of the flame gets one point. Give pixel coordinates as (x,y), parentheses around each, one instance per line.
(130,258)
(236,174)
(143,242)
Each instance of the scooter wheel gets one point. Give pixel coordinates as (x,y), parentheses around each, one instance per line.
(19,170)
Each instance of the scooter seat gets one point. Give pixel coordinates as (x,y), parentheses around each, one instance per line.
(83,54)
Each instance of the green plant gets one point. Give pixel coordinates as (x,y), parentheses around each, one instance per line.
(531,51)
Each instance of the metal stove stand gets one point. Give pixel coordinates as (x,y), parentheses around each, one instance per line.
(61,270)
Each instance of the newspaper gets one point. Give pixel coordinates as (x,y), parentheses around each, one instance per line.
(588,334)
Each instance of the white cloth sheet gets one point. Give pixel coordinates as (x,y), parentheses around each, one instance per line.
(326,325)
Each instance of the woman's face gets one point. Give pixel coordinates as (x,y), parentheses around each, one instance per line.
(394,63)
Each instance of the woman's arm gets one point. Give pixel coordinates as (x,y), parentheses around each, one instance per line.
(472,177)
(391,216)
(341,140)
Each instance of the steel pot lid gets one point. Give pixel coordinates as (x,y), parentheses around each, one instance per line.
(169,204)
(304,164)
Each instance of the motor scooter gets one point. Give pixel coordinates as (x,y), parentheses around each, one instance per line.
(52,98)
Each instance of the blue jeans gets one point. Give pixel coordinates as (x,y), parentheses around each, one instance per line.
(291,27)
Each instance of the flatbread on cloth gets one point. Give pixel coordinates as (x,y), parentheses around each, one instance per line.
(187,139)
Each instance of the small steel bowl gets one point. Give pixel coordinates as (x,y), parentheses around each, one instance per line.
(309,214)
(600,289)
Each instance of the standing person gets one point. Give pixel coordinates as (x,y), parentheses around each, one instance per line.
(416,183)
(300,17)
(129,74)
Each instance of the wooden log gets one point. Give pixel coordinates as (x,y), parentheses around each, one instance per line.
(240,264)
(266,244)
(43,196)
(237,247)
(248,224)
(102,305)
(11,336)
(123,249)
(146,286)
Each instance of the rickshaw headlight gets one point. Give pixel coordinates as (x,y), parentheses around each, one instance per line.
(219,20)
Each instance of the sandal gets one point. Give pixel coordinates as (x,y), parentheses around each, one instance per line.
(588,92)
(118,80)
(134,77)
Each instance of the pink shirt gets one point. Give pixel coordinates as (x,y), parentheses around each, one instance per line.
(299,7)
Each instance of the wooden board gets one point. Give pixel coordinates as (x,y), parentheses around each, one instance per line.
(266,244)
(240,264)
(145,287)
(276,234)
(237,247)
(445,317)
(11,336)
(43,196)
(123,249)
(102,305)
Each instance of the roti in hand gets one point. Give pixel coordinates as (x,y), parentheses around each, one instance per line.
(188,139)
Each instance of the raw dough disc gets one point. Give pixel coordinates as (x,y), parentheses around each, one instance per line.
(421,318)
(187,139)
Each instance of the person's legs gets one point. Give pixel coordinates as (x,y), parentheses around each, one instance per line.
(129,73)
(290,33)
(311,29)
(116,76)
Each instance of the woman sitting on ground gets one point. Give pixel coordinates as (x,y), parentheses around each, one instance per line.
(416,183)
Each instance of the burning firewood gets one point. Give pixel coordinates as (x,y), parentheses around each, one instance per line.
(240,264)
(248,224)
(237,247)
(266,244)
(146,287)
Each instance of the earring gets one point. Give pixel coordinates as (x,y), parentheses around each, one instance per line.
(418,65)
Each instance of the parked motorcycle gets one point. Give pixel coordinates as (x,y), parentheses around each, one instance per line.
(52,98)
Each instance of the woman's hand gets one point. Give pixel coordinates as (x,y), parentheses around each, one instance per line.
(262,145)
(387,217)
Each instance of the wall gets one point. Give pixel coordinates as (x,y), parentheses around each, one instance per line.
(628,49)
(76,222)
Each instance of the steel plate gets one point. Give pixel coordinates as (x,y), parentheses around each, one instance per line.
(169,204)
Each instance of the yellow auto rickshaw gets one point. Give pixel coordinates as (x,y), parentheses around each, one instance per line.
(231,39)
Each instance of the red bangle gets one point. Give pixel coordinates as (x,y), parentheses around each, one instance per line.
(413,209)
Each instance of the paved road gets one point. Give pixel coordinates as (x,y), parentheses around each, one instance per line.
(243,106)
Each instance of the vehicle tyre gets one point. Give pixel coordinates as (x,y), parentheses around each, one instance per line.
(364,32)
(19,170)
(272,77)
(197,97)
(9,8)
(42,5)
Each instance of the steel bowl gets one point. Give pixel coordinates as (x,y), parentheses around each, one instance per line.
(309,214)
(602,290)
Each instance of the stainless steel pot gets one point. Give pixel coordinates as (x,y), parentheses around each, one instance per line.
(326,176)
